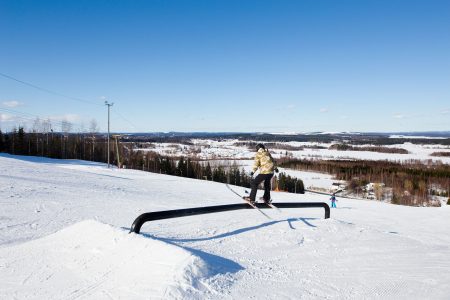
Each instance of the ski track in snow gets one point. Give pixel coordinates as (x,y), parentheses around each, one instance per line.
(367,250)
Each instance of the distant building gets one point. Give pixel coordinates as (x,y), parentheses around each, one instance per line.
(370,187)
(338,186)
(377,190)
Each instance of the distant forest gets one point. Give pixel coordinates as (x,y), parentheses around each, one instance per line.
(377,139)
(412,182)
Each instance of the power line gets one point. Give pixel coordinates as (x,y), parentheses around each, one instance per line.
(31,118)
(125,119)
(62,95)
(49,91)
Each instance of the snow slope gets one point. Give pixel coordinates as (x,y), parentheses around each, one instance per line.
(55,241)
(94,260)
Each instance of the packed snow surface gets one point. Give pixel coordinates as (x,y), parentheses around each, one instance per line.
(94,260)
(64,235)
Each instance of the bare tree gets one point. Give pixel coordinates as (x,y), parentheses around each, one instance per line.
(93,127)
(37,128)
(82,128)
(37,125)
(66,126)
(46,127)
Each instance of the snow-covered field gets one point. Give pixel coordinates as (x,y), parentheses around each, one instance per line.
(227,149)
(64,235)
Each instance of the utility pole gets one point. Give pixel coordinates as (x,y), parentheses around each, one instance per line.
(109,107)
(117,137)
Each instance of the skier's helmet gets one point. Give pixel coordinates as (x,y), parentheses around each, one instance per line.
(259,146)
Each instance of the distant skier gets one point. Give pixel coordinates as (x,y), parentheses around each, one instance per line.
(333,201)
(266,165)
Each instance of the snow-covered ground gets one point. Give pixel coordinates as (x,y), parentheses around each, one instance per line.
(422,137)
(416,152)
(64,235)
(227,149)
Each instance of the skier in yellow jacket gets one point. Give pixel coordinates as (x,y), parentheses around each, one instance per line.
(266,165)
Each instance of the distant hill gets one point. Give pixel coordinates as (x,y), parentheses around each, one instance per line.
(379,138)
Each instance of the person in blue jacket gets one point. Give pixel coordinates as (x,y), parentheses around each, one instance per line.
(333,201)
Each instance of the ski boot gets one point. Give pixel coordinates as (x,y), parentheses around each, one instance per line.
(248,199)
(265,201)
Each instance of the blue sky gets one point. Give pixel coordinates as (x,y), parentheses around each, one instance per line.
(273,66)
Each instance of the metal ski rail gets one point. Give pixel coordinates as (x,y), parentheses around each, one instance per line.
(176,213)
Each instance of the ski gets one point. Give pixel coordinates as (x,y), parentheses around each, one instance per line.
(271,205)
(274,207)
(248,202)
(256,207)
(268,204)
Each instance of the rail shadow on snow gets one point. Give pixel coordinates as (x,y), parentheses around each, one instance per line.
(217,264)
(304,220)
(289,221)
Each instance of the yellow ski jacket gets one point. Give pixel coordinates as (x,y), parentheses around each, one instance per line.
(264,162)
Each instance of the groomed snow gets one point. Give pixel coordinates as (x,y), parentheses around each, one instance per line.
(97,261)
(64,224)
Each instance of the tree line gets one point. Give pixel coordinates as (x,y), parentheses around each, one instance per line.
(412,182)
(197,169)
(55,145)
(93,147)
(380,149)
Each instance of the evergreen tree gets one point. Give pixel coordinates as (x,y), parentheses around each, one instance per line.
(300,188)
(208,172)
(181,168)
(190,169)
(21,145)
(237,176)
(2,142)
(219,175)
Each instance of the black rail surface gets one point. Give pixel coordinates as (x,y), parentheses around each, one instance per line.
(176,213)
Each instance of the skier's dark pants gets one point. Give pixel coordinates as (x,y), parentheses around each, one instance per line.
(256,181)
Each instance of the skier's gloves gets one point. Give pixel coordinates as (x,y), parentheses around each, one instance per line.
(251,173)
(276,170)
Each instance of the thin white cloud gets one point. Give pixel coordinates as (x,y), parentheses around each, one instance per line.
(290,106)
(399,116)
(12,103)
(324,110)
(344,117)
(445,111)
(6,118)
